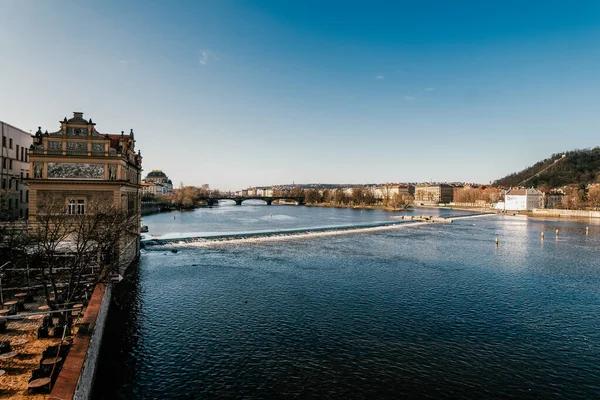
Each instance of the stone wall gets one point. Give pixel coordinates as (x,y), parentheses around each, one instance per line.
(130,253)
(152,207)
(566,213)
(76,379)
(85,385)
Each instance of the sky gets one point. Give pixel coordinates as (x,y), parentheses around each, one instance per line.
(249,93)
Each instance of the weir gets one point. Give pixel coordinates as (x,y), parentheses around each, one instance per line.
(300,233)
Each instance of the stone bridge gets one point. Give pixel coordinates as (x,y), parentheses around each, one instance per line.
(212,201)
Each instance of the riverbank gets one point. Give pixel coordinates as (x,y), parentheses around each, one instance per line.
(358,207)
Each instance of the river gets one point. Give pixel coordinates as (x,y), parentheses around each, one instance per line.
(403,311)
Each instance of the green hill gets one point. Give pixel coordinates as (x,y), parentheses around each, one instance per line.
(578,167)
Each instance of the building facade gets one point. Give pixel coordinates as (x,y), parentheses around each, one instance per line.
(523,199)
(80,166)
(442,193)
(14,170)
(151,189)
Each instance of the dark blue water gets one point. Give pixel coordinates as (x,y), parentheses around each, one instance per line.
(422,311)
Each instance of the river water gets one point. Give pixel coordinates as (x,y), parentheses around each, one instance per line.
(404,311)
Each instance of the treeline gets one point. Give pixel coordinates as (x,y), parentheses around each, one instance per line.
(358,196)
(578,197)
(189,196)
(487,195)
(579,167)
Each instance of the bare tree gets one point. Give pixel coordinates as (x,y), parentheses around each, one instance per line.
(62,248)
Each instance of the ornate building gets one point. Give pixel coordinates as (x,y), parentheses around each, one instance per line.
(158,177)
(81,166)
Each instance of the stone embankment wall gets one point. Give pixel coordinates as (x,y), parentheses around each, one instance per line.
(76,379)
(566,213)
(151,207)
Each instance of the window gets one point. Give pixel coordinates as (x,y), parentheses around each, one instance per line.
(16,185)
(10,143)
(27,196)
(22,153)
(21,197)
(18,153)
(74,206)
(3,183)
(3,141)
(10,204)
(10,163)
(80,206)
(71,207)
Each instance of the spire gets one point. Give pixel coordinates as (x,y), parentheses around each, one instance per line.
(131,133)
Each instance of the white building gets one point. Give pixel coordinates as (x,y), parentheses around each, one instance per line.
(14,168)
(524,199)
(154,189)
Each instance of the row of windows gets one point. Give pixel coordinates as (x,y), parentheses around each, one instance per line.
(7,183)
(22,214)
(20,199)
(21,153)
(7,163)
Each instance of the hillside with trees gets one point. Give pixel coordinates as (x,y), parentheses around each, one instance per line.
(578,167)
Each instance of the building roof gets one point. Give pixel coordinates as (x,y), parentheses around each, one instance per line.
(156,173)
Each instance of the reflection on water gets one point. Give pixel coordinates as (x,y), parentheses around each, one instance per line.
(429,311)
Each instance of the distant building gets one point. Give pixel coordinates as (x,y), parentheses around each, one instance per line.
(389,191)
(14,169)
(153,189)
(441,193)
(523,199)
(161,180)
(554,199)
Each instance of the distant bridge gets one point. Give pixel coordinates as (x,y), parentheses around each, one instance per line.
(212,201)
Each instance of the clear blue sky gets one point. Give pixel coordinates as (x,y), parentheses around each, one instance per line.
(239,93)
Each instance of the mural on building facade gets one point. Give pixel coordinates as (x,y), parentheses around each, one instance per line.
(77,147)
(75,171)
(97,147)
(79,132)
(54,147)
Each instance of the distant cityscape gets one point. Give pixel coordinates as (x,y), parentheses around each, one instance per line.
(56,163)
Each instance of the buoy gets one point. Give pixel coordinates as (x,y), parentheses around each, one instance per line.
(497,241)
(557,233)
(542,235)
(587,230)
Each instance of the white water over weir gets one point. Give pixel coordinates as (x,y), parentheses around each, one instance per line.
(292,234)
